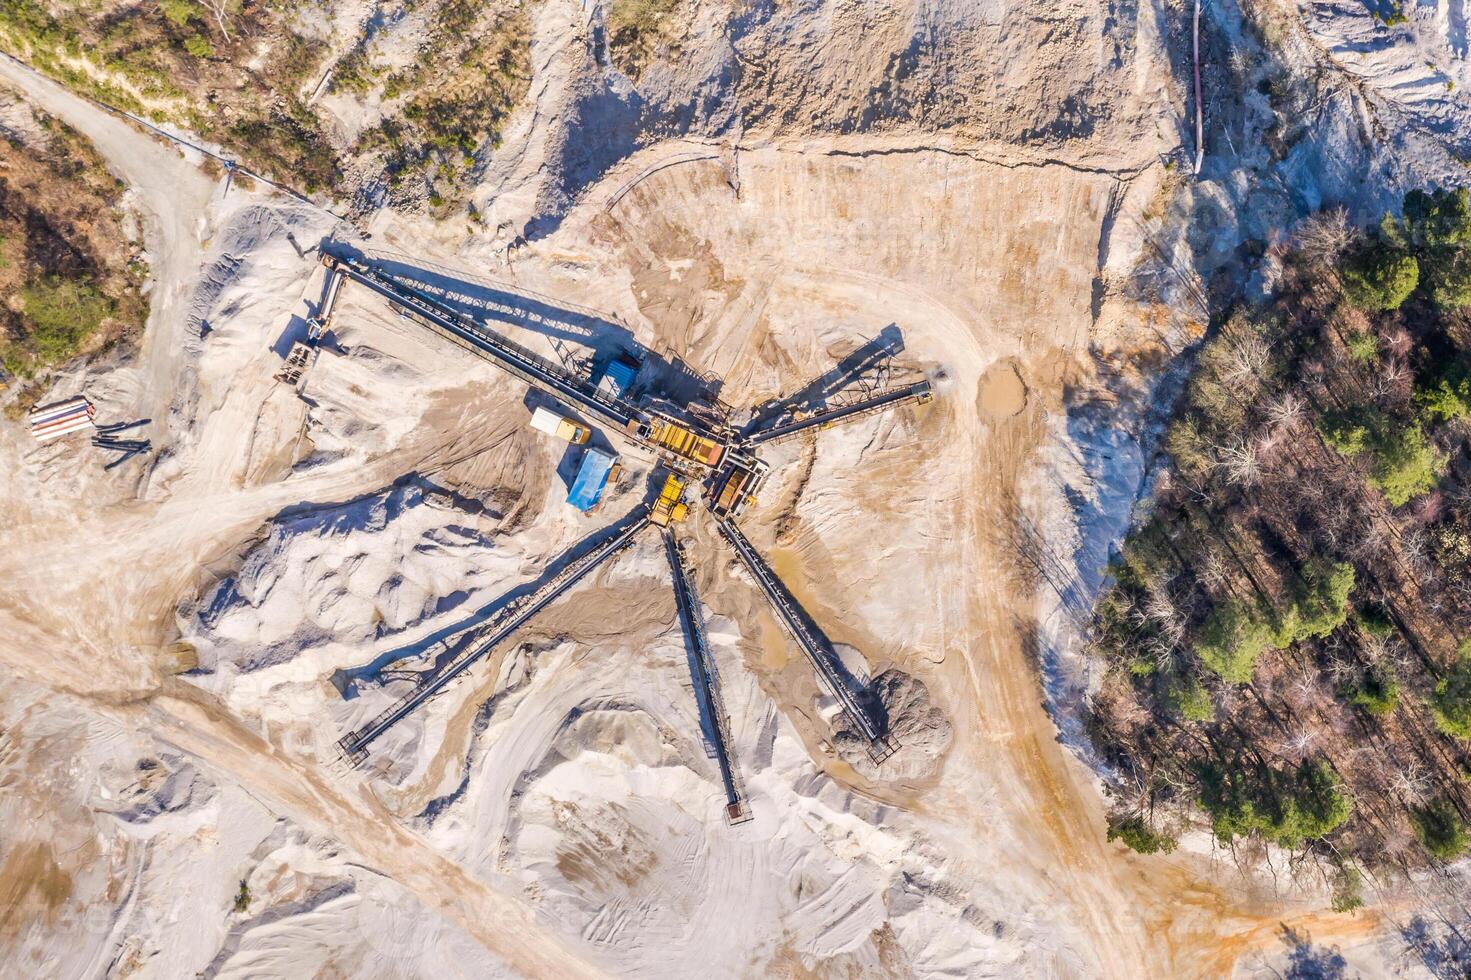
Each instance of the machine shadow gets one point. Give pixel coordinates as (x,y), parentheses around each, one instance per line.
(888,343)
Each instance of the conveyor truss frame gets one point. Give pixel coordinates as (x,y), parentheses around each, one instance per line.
(737,459)
(508,620)
(707,681)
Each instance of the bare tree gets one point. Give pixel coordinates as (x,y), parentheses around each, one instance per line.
(1267,441)
(1298,745)
(1412,783)
(1416,550)
(1341,668)
(1211,568)
(1240,462)
(1247,357)
(1374,648)
(1322,238)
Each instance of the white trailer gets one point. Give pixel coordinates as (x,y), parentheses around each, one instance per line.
(548,421)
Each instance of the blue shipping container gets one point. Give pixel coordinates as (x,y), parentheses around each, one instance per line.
(592,476)
(618,377)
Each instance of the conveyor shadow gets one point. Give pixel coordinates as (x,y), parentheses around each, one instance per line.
(861,691)
(456,636)
(888,343)
(709,725)
(665,375)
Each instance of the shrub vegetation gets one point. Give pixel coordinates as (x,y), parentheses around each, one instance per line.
(71,276)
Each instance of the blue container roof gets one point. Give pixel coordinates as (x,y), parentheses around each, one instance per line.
(592,476)
(620,374)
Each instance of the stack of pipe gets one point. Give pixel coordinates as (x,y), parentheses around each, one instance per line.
(55,420)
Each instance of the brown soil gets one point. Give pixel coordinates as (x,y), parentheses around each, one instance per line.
(32,886)
(1003,393)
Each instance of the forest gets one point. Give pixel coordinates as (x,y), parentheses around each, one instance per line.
(1287,628)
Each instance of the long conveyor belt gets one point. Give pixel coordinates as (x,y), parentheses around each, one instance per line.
(819,652)
(354,744)
(707,691)
(523,363)
(919,391)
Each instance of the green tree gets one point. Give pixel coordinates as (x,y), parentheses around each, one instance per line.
(198,46)
(1348,889)
(1431,220)
(1236,633)
(1403,463)
(1138,835)
(1450,703)
(1406,464)
(1375,620)
(1319,602)
(1363,347)
(1285,808)
(1375,693)
(179,12)
(1347,432)
(1447,396)
(1191,698)
(1448,278)
(1440,829)
(1231,639)
(1436,227)
(1380,278)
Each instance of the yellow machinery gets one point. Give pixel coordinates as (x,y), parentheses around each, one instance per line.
(670,506)
(684,445)
(734,487)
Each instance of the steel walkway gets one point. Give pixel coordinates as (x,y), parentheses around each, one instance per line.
(513,617)
(816,647)
(919,391)
(707,690)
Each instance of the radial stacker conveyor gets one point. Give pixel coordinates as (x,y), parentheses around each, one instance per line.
(720,463)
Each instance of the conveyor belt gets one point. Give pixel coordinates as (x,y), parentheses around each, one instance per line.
(919,391)
(354,744)
(706,689)
(818,650)
(523,363)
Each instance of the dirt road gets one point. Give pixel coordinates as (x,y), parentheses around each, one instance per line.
(100,643)
(173,198)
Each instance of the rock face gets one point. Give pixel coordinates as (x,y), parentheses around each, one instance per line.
(1009,82)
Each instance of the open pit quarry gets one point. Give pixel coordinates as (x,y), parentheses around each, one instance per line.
(188,639)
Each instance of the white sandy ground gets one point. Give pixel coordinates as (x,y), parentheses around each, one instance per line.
(1415,74)
(556,813)
(140,841)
